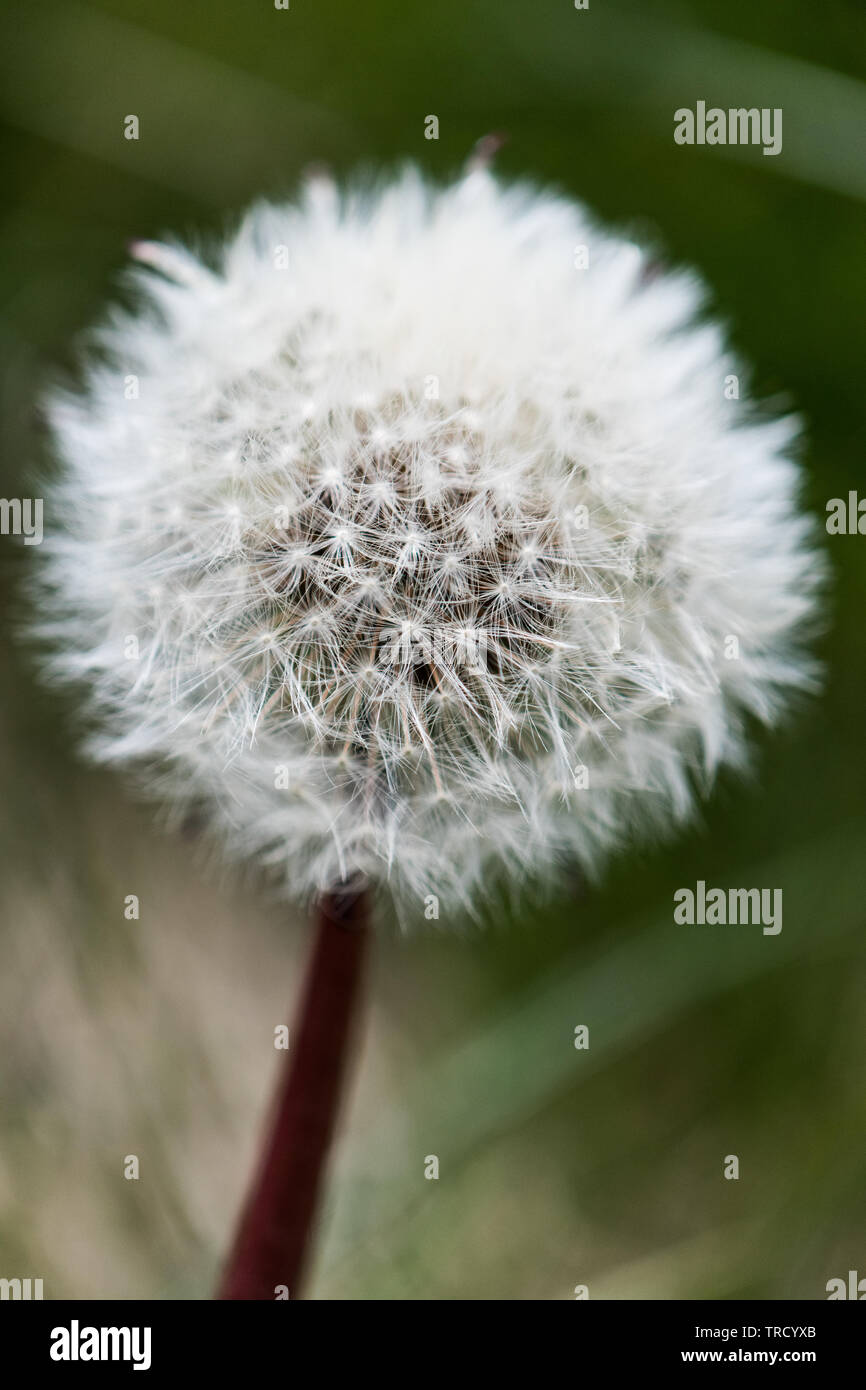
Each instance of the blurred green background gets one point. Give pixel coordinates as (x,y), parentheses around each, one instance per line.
(558,1167)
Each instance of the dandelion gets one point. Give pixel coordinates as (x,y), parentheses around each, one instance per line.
(482,629)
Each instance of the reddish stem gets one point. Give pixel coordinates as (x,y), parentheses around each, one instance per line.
(272,1240)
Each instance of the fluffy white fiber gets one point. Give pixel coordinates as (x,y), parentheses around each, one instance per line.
(422,547)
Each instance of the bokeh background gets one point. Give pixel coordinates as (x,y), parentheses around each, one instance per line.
(155,1038)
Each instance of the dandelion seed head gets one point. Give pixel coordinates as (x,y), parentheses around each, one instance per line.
(427,607)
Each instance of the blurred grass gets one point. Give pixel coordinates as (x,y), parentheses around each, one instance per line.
(557,1167)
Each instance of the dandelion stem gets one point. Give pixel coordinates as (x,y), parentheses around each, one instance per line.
(273,1238)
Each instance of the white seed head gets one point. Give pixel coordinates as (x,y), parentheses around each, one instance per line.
(404,633)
